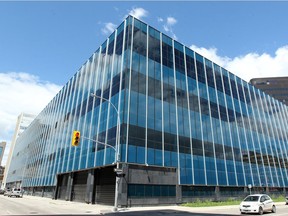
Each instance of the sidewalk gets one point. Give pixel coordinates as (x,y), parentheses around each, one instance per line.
(63,207)
(68,207)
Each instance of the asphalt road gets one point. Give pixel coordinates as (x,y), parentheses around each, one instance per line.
(31,205)
(282,210)
(168,213)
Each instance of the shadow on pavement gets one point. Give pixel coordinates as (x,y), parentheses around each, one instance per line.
(143,213)
(164,212)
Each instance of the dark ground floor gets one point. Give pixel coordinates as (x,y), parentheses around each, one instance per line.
(137,186)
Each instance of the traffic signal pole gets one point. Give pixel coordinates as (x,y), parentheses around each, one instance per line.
(105,144)
(116,148)
(117,170)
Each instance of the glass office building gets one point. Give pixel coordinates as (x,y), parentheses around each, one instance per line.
(274,86)
(189,128)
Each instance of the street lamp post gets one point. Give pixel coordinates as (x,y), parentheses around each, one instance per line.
(249,186)
(116,149)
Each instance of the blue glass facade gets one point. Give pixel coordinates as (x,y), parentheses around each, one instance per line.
(177,109)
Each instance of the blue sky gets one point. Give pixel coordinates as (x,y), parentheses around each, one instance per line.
(52,39)
(42,44)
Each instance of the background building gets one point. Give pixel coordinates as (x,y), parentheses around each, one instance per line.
(189,128)
(277,87)
(23,121)
(2,150)
(2,169)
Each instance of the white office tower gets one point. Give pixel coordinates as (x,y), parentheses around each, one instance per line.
(23,121)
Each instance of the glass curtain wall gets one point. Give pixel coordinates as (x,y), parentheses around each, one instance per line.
(187,112)
(177,109)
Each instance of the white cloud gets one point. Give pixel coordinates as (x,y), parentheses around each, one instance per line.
(21,92)
(168,26)
(251,65)
(159,19)
(171,21)
(173,35)
(108,28)
(211,54)
(139,13)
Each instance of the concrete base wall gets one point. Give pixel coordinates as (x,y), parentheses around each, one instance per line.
(98,186)
(150,201)
(146,175)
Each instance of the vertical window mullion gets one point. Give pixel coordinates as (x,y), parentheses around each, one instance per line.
(210,119)
(119,150)
(253,107)
(176,111)
(265,108)
(189,114)
(129,91)
(162,102)
(146,96)
(216,82)
(200,116)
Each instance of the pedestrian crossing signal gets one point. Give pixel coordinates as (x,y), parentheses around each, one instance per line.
(76,138)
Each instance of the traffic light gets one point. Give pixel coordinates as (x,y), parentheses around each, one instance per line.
(76,138)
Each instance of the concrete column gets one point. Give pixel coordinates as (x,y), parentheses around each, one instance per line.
(123,187)
(178,189)
(96,196)
(68,196)
(217,193)
(178,194)
(89,187)
(54,193)
(246,191)
(55,190)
